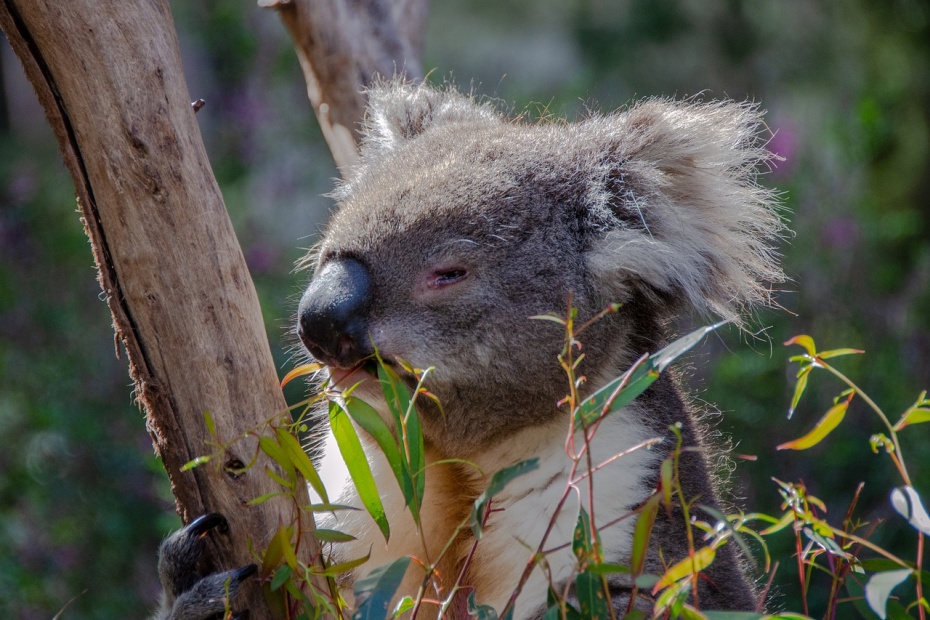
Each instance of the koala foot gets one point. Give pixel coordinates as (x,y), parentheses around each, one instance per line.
(188,595)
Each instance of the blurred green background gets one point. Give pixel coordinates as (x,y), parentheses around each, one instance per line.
(83,501)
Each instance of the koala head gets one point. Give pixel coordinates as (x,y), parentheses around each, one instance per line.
(459,224)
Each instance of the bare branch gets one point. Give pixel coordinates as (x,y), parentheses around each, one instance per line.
(342,48)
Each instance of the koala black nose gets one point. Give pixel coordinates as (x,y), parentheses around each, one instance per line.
(332,318)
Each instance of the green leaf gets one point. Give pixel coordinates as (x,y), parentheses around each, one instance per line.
(633,383)
(723,523)
(329,507)
(395,392)
(636,380)
(404,605)
(417,463)
(357,463)
(785,520)
(288,484)
(906,502)
(585,549)
(824,542)
(287,548)
(669,354)
(607,568)
(480,612)
(298,456)
(197,462)
(280,576)
(879,588)
(799,389)
(407,421)
(261,499)
(804,341)
(897,611)
(371,421)
(643,531)
(646,581)
(686,567)
(917,416)
(825,355)
(272,556)
(916,413)
(211,425)
(671,599)
(374,592)
(270,447)
(666,473)
(824,427)
(331,536)
(497,483)
(690,613)
(342,567)
(593,601)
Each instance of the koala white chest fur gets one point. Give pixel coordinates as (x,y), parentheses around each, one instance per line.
(457,225)
(521,516)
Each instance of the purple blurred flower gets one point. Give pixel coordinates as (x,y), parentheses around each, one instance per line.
(261,258)
(840,232)
(23,185)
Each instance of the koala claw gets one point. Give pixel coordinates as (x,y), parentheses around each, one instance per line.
(204,523)
(188,595)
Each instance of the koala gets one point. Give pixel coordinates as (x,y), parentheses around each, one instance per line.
(460,223)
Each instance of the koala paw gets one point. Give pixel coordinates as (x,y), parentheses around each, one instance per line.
(188,595)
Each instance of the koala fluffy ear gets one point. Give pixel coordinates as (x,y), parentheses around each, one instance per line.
(678,208)
(399,111)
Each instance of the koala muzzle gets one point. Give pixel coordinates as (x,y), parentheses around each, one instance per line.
(332,316)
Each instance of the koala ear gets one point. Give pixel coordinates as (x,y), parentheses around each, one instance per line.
(678,208)
(399,111)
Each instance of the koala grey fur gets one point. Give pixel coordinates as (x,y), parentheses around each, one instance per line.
(455,227)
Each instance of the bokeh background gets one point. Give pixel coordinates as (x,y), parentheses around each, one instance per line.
(83,500)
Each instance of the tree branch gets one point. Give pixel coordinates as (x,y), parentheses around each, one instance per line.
(109,78)
(342,48)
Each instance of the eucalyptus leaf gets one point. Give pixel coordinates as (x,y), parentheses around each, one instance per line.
(298,456)
(879,587)
(357,463)
(593,601)
(373,593)
(497,483)
(906,502)
(371,421)
(478,611)
(636,380)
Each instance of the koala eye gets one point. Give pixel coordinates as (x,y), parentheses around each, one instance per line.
(445,277)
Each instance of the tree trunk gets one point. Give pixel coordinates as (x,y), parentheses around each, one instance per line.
(342,46)
(109,77)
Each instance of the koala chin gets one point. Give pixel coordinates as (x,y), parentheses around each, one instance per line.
(456,226)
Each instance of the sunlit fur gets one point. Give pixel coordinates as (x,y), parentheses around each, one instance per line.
(655,207)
